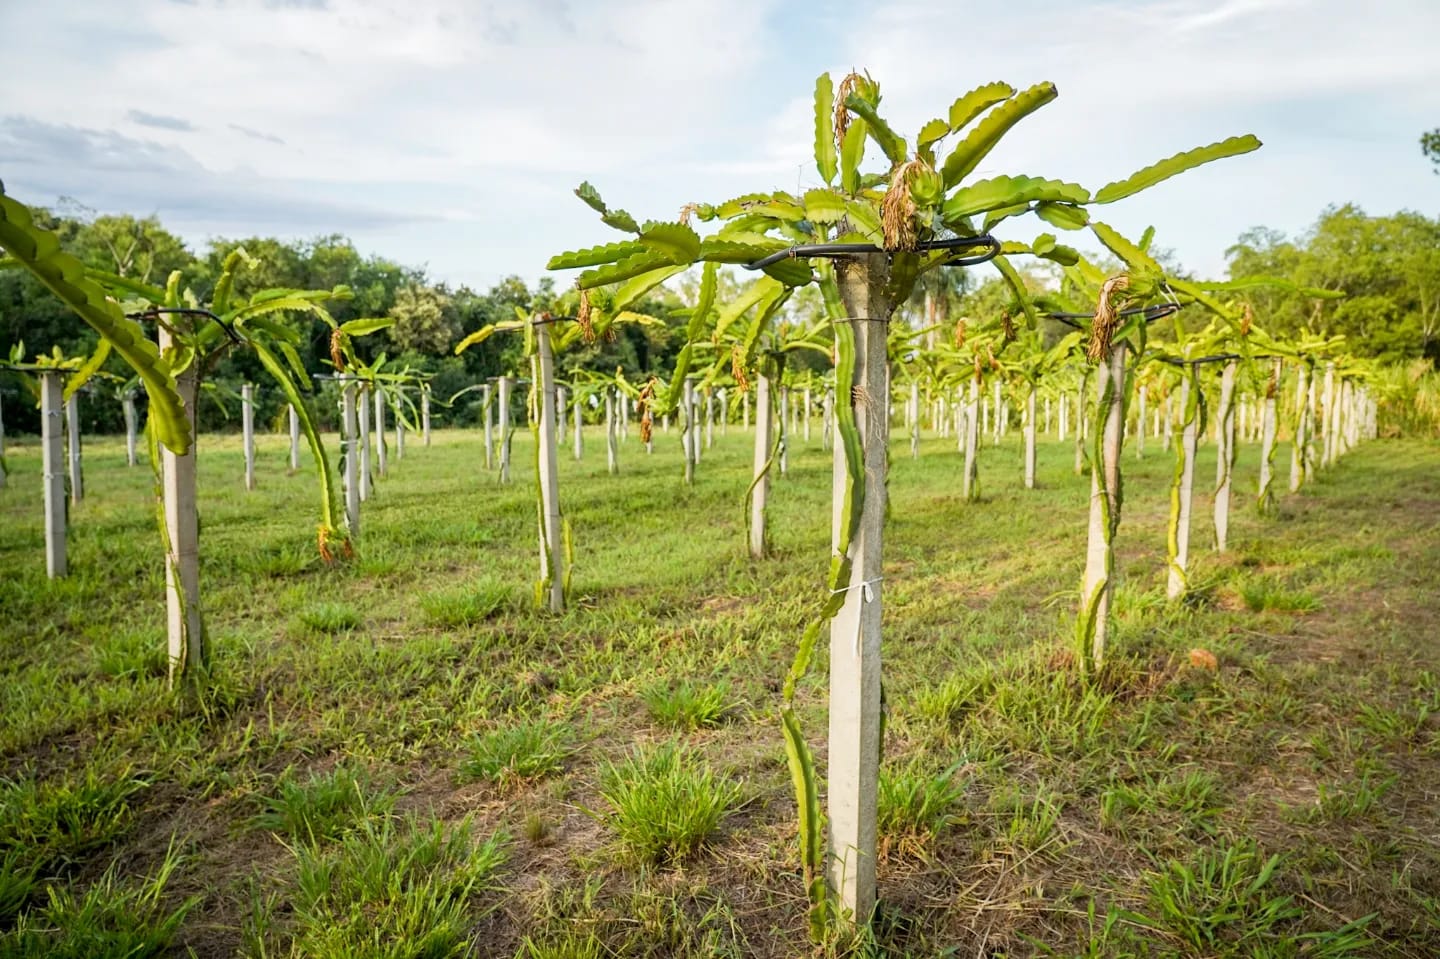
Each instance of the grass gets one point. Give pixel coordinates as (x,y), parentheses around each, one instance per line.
(1261,595)
(59,823)
(111,919)
(664,804)
(466,606)
(575,945)
(1224,901)
(330,618)
(688,705)
(514,754)
(18,882)
(322,806)
(356,704)
(134,654)
(915,804)
(400,888)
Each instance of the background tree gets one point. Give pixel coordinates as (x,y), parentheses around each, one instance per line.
(423,322)
(1389,267)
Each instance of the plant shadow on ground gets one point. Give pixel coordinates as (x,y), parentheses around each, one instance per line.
(400,747)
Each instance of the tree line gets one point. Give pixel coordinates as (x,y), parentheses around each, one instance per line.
(1388,266)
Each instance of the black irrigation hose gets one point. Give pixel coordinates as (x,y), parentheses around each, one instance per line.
(1196,361)
(833,250)
(1151,313)
(155,312)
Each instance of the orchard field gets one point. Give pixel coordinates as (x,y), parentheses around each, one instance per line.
(402,750)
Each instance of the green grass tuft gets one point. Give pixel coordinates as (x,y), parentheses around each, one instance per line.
(110,920)
(324,806)
(330,618)
(133,654)
(518,753)
(402,889)
(688,705)
(17,883)
(915,805)
(664,804)
(464,607)
(61,823)
(568,945)
(1220,898)
(1264,595)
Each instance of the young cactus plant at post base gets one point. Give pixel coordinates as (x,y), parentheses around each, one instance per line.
(1225,442)
(875,234)
(1144,295)
(1192,424)
(1269,421)
(546,337)
(1111,334)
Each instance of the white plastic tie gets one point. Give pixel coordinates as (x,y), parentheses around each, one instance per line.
(867,595)
(863,586)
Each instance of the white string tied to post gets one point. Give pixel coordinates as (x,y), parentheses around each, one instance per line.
(867,595)
(864,585)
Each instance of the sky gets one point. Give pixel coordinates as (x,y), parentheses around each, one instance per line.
(450,134)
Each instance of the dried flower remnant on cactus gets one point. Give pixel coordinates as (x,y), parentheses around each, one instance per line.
(644,402)
(737,368)
(1007,326)
(582,316)
(337,352)
(842,112)
(897,208)
(1107,316)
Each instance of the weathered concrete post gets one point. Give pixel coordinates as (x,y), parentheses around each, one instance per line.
(503,419)
(52,458)
(294,423)
(854,735)
(132,424)
(182,527)
(362,410)
(381,460)
(247,432)
(552,553)
(487,414)
(612,452)
(1225,440)
(1030,438)
(350,445)
(764,440)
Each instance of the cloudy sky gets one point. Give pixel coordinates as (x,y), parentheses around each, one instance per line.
(450,133)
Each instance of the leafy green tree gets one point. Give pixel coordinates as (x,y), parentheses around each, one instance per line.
(130,247)
(422,322)
(1430,146)
(1389,268)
